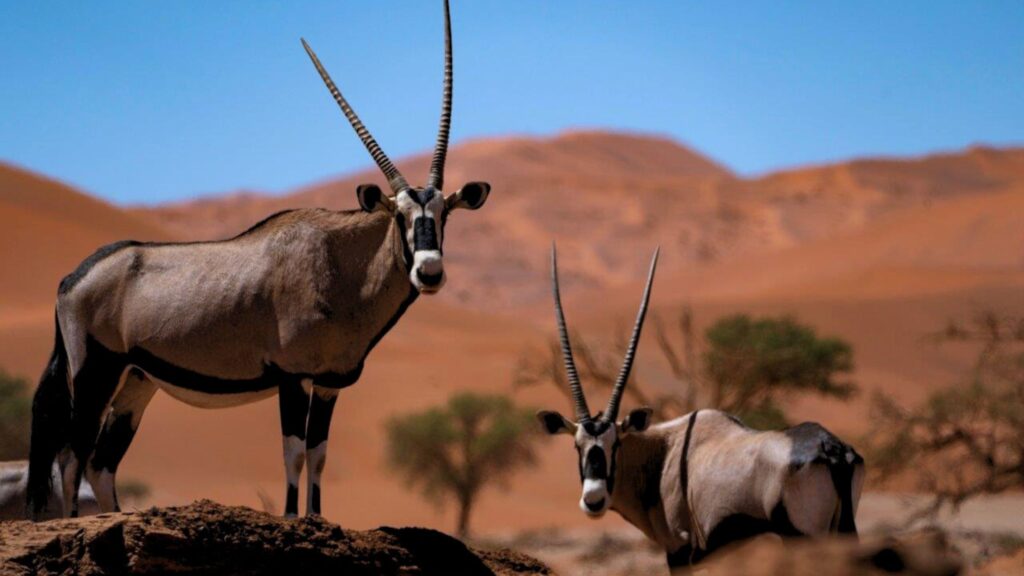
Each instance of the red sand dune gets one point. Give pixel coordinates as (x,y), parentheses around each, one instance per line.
(48,228)
(608,198)
(879,252)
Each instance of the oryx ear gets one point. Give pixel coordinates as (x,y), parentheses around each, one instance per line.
(637,420)
(371,198)
(471,196)
(554,423)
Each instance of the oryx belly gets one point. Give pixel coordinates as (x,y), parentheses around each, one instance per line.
(209,391)
(201,399)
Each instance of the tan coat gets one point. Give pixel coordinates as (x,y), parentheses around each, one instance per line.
(307,291)
(731,470)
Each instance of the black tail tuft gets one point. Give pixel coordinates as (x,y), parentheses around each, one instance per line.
(842,464)
(51,423)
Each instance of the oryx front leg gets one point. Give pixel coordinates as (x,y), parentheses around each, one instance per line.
(321,408)
(294,402)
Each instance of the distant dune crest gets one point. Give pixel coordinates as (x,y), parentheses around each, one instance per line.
(607,197)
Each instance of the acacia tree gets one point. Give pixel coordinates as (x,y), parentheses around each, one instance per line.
(751,364)
(967,439)
(747,367)
(15,417)
(454,451)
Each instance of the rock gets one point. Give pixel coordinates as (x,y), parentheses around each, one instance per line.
(209,538)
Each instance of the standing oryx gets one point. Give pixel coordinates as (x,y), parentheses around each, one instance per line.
(292,306)
(701,481)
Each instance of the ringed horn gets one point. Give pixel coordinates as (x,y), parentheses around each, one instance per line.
(395,178)
(578,399)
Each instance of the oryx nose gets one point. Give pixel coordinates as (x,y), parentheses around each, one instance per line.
(430,267)
(428,270)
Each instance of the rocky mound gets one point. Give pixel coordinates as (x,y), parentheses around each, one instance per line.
(922,553)
(208,538)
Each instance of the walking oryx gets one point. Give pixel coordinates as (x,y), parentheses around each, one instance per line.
(291,306)
(701,481)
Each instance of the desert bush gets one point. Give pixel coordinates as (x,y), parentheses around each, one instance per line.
(967,439)
(132,489)
(15,417)
(750,364)
(452,452)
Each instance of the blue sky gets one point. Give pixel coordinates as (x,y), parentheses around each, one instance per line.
(141,102)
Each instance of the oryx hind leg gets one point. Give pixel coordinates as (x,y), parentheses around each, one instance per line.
(293,399)
(810,499)
(117,433)
(93,387)
(321,407)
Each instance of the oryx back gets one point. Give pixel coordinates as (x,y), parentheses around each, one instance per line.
(218,323)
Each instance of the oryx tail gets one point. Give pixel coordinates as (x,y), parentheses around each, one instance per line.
(51,423)
(842,461)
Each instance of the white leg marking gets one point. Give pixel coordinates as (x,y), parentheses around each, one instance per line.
(317,457)
(102,482)
(68,482)
(55,501)
(102,489)
(294,458)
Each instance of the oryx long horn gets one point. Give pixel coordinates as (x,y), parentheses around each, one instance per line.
(395,178)
(579,402)
(436,179)
(612,412)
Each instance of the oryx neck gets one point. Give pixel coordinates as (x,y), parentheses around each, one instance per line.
(640,462)
(399,249)
(366,248)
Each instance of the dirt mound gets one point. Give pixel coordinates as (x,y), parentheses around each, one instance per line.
(1004,565)
(926,553)
(922,552)
(209,538)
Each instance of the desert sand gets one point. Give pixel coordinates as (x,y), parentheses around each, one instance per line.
(879,252)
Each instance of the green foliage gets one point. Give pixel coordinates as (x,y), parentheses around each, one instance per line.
(748,367)
(132,489)
(750,363)
(15,417)
(455,450)
(767,416)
